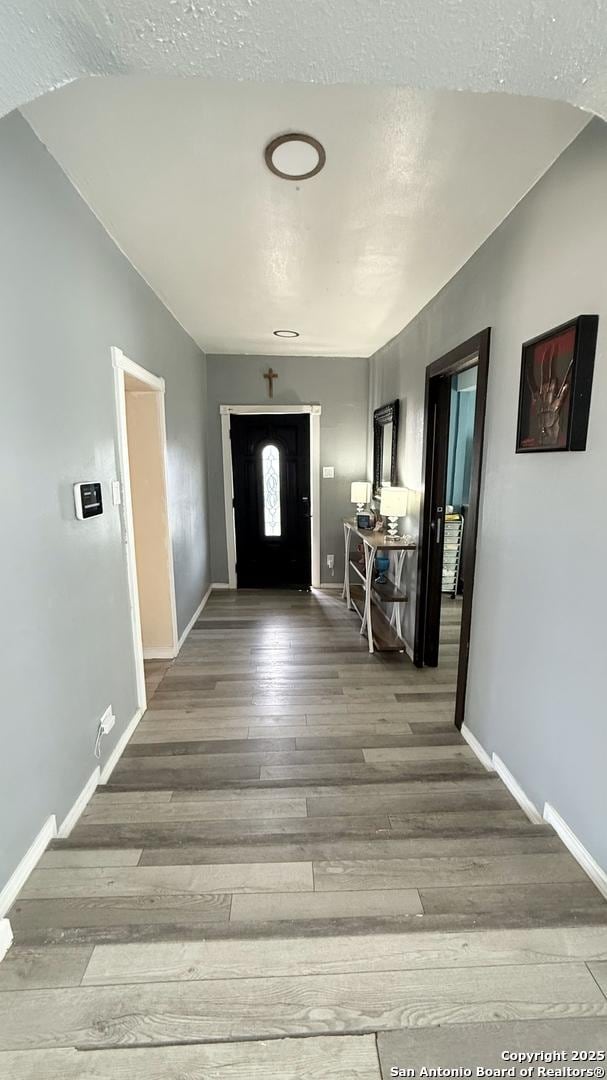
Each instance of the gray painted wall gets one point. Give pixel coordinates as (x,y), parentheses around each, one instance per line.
(341,387)
(537,665)
(66,295)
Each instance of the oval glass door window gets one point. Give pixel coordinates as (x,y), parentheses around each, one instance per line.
(270,465)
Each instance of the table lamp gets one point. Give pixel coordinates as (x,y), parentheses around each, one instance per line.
(360,493)
(393,505)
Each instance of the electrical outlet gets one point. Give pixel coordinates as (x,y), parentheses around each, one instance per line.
(330,561)
(107,721)
(104,726)
(328,472)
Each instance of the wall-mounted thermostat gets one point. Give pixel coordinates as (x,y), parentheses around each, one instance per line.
(87,500)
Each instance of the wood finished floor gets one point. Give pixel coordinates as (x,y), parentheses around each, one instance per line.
(297,841)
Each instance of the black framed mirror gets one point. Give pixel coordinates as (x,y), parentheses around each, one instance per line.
(385,446)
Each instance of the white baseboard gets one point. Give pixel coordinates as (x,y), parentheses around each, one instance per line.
(6,937)
(577,849)
(49,832)
(331,585)
(28,863)
(220,585)
(478,749)
(169,652)
(159,652)
(515,789)
(116,753)
(195,616)
(551,816)
(83,798)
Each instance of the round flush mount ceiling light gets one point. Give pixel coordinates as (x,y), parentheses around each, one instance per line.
(285,333)
(295,156)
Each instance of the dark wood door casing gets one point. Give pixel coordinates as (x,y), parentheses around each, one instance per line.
(471,353)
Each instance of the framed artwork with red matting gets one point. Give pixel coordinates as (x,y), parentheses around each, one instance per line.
(555,387)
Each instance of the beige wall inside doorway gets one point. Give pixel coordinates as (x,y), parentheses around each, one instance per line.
(145,433)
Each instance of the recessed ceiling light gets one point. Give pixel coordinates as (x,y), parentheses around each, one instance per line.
(285,333)
(295,156)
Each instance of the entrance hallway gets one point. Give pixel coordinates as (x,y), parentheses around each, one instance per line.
(297,842)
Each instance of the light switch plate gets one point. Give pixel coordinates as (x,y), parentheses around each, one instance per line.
(116,493)
(328,472)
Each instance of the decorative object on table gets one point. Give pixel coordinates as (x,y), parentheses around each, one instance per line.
(382,564)
(452,551)
(360,493)
(385,446)
(393,505)
(364,521)
(555,387)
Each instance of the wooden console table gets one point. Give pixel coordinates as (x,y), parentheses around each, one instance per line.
(366,595)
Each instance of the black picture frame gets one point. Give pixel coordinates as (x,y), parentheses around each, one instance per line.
(386,414)
(555,388)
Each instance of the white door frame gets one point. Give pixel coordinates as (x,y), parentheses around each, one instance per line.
(314,412)
(123,366)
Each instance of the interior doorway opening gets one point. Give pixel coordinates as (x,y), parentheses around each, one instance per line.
(462,408)
(141,428)
(454,422)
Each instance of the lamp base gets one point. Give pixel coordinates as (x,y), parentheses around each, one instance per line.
(360,508)
(392,531)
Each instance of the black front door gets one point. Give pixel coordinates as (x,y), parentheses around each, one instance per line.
(271,464)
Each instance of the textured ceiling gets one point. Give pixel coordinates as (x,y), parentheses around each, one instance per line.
(414,182)
(545,48)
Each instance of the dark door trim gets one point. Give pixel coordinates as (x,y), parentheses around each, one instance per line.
(471,353)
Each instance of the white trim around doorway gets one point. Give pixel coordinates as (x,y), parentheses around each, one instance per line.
(123,366)
(313,411)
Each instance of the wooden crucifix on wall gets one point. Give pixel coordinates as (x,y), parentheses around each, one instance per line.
(270,376)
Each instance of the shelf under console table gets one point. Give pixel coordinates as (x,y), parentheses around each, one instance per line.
(366,594)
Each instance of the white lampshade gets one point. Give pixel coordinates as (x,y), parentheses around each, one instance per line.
(360,491)
(393,501)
